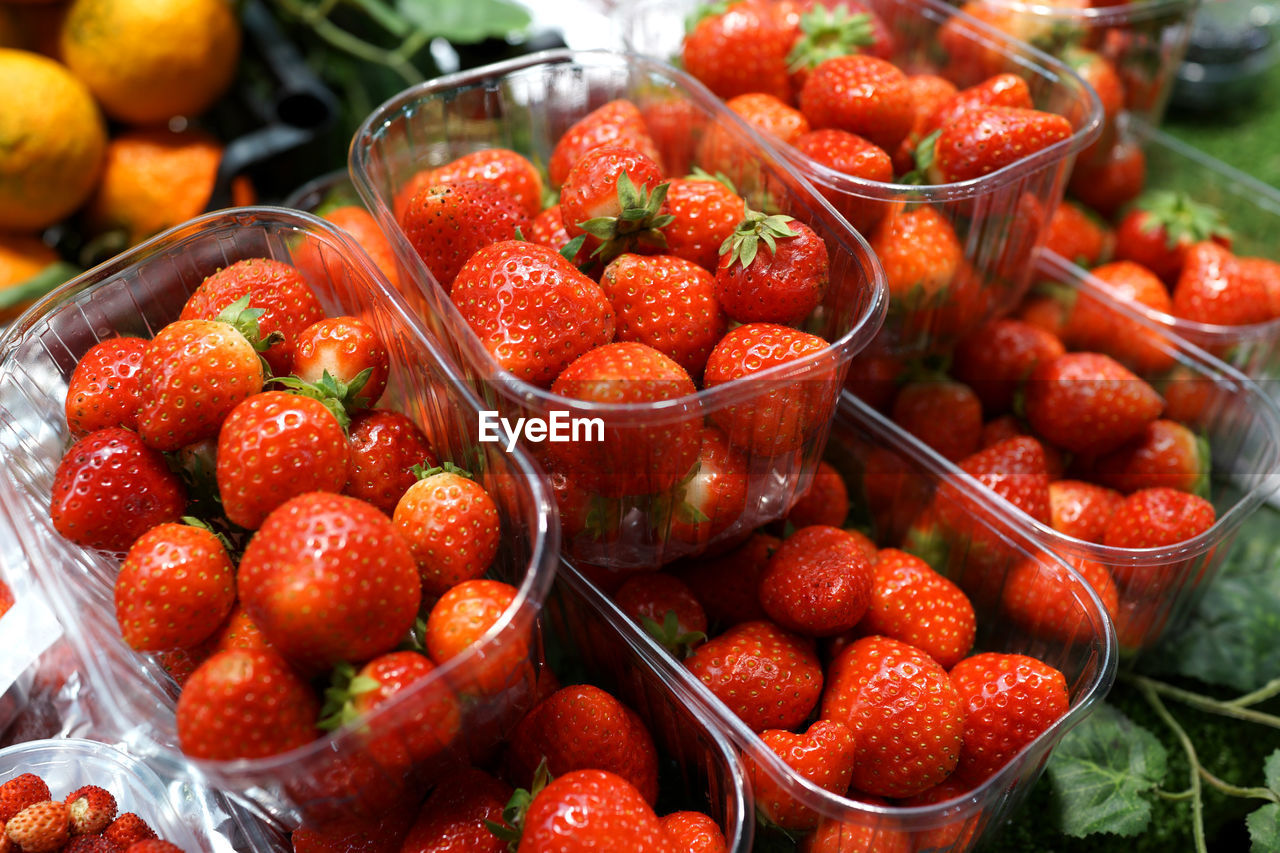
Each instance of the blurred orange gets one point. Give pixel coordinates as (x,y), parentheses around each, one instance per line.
(21,257)
(357,222)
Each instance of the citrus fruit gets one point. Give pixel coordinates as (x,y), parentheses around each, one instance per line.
(357,222)
(149,60)
(51,141)
(21,257)
(154,179)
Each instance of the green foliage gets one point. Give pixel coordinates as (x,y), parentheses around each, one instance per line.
(1264,824)
(465,22)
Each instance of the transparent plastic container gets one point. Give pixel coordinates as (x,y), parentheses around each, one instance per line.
(1082,644)
(141,291)
(998,218)
(1252,210)
(526,104)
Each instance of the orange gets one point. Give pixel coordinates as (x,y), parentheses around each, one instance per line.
(21,257)
(52,138)
(155,179)
(362,228)
(149,60)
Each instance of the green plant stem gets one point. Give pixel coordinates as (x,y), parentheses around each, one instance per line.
(1197,802)
(1232,709)
(346,42)
(414,43)
(386,17)
(1175,796)
(1267,691)
(1236,791)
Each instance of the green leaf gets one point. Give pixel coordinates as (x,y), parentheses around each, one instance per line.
(1101,772)
(466,22)
(1264,829)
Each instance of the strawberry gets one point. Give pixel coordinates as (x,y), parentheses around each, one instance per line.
(1081,510)
(824,754)
(384,446)
(451,526)
(1160,229)
(783,414)
(6,603)
(110,488)
(153,845)
(826,29)
(287,303)
(447,223)
(997,357)
(862,94)
(913,603)
(276,446)
(874,378)
(945,415)
(343,348)
(548,315)
(1210,289)
(1101,75)
(928,92)
(833,836)
(605,811)
(1077,234)
(363,228)
(893,490)
(726,585)
(693,832)
(1263,271)
(1089,403)
(1108,185)
(453,819)
(711,498)
(704,214)
(179,664)
(741,50)
(850,154)
(1094,325)
(954,835)
(1013,469)
(1154,518)
(1000,90)
(667,303)
(1165,453)
(242,703)
(547,229)
(90,844)
(826,501)
(40,827)
(818,583)
(767,114)
(905,716)
(105,388)
(174,589)
(1040,596)
(769,677)
(459,620)
(327,578)
(920,252)
(615,197)
(584,728)
(510,172)
(1008,701)
(666,608)
(984,141)
(615,123)
(20,792)
(238,632)
(781,286)
(128,829)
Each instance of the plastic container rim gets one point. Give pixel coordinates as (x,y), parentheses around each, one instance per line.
(1116,14)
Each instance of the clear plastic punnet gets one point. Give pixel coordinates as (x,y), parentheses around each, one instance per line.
(1079,639)
(997,219)
(138,293)
(526,105)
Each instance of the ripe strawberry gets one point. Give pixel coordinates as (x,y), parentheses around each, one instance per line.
(453,818)
(1089,403)
(1013,469)
(666,608)
(783,414)
(458,621)
(928,92)
(1211,290)
(605,811)
(825,29)
(826,501)
(983,141)
(824,754)
(913,603)
(850,154)
(1077,234)
(704,213)
(770,115)
(174,589)
(1165,453)
(862,94)
(1040,597)
(874,378)
(615,198)
(711,498)
(726,585)
(363,228)
(238,632)
(547,229)
(770,678)
(90,844)
(781,286)
(954,835)
(818,583)
(584,728)
(384,446)
(40,827)
(105,388)
(1008,701)
(833,836)
(742,49)
(110,488)
(894,490)
(1264,271)
(20,792)
(1000,90)
(902,745)
(1101,75)
(615,123)
(510,172)
(327,578)
(997,357)
(179,664)
(945,415)
(920,252)
(667,303)
(447,223)
(548,313)
(1108,185)
(1094,325)
(451,526)
(344,348)
(153,845)
(693,832)
(128,829)
(1160,229)
(6,603)
(288,305)
(1154,518)
(193,374)
(1080,509)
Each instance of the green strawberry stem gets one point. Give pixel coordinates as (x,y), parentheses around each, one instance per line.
(336,396)
(706,10)
(517,807)
(743,244)
(923,155)
(339,697)
(1182,218)
(701,174)
(669,636)
(445,467)
(244,320)
(639,223)
(828,33)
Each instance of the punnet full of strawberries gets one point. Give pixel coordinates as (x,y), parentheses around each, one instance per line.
(86,820)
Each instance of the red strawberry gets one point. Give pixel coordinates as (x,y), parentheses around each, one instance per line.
(128,829)
(1081,510)
(548,315)
(943,414)
(238,632)
(770,678)
(996,358)
(956,834)
(510,172)
(1264,271)
(384,446)
(1040,597)
(767,114)
(743,49)
(20,792)
(90,844)
(451,526)
(327,578)
(547,229)
(826,29)
(1110,184)
(710,499)
(1077,234)
(40,827)
(920,252)
(833,836)
(105,388)
(1094,325)
(913,603)
(667,303)
(343,348)
(447,223)
(693,832)
(1166,453)
(616,199)
(666,608)
(773,269)
(1211,290)
(453,818)
(726,585)
(110,488)
(704,214)
(153,845)
(894,490)
(584,728)
(1155,518)
(1008,701)
(928,92)
(825,755)
(1001,90)
(6,601)
(1101,75)
(605,811)
(364,229)
(178,664)
(615,123)
(458,621)
(288,304)
(826,501)
(1014,470)
(1089,403)
(861,94)
(850,154)
(818,583)
(983,141)
(1160,229)
(781,416)
(174,589)
(905,716)
(873,377)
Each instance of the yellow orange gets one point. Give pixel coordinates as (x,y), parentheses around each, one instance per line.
(21,257)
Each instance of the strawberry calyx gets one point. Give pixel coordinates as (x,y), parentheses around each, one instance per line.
(1183,219)
(1064,294)
(339,697)
(244,320)
(700,174)
(513,814)
(669,635)
(923,173)
(704,11)
(570,250)
(827,33)
(743,244)
(445,467)
(200,524)
(638,224)
(338,397)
